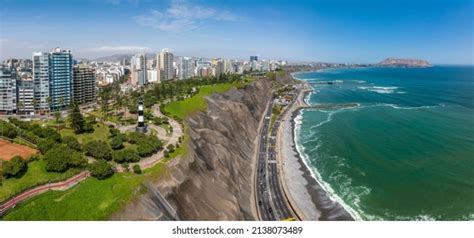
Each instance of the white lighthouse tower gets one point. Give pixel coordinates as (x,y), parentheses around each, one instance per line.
(141,127)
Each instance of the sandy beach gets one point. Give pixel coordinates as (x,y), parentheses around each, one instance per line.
(306,195)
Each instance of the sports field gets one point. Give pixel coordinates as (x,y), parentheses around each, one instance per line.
(8,150)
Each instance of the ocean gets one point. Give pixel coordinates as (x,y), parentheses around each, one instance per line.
(400,146)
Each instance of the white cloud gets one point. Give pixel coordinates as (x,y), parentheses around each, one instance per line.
(182,16)
(125,48)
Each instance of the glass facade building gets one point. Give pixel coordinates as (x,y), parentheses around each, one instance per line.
(60,78)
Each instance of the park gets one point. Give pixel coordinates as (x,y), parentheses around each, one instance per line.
(101,141)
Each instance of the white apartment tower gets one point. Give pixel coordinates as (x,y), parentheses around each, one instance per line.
(41,80)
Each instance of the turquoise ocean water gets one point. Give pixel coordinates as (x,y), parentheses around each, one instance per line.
(405,152)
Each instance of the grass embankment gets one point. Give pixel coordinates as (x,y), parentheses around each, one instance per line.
(183,109)
(35,175)
(93,199)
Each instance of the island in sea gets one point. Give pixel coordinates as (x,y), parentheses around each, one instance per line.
(398,62)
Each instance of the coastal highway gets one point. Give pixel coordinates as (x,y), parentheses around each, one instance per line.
(264,204)
(272,203)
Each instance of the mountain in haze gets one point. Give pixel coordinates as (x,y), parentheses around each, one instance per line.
(114,58)
(121,57)
(397,62)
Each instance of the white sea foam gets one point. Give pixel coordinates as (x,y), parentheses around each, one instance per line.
(315,174)
(405,108)
(379,89)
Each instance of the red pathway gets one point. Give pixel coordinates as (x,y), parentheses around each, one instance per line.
(63,185)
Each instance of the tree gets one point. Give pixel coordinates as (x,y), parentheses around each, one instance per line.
(57,158)
(137,169)
(76,119)
(170,148)
(116,142)
(60,158)
(45,144)
(77,160)
(35,104)
(98,150)
(101,169)
(15,167)
(21,106)
(61,101)
(126,156)
(8,130)
(72,143)
(50,104)
(57,116)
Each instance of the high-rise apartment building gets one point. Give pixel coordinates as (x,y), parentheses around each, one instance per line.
(139,70)
(60,78)
(84,84)
(185,69)
(8,101)
(219,68)
(41,81)
(26,101)
(165,65)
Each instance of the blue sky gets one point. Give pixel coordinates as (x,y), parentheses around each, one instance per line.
(363,31)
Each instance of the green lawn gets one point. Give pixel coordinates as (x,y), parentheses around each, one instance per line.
(36,174)
(101,132)
(91,200)
(182,109)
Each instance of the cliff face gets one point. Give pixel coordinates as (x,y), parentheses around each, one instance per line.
(404,62)
(214,180)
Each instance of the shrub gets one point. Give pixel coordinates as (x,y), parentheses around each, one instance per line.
(137,169)
(145,150)
(15,167)
(114,132)
(170,148)
(98,150)
(45,144)
(72,143)
(101,169)
(88,128)
(127,155)
(126,167)
(135,137)
(116,142)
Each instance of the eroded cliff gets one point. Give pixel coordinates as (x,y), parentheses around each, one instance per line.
(214,180)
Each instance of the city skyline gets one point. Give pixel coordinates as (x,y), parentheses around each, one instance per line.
(341,31)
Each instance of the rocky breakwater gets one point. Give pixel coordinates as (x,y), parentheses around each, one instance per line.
(214,180)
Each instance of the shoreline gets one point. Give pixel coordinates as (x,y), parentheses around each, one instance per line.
(306,192)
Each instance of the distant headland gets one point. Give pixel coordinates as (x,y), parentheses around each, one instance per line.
(397,62)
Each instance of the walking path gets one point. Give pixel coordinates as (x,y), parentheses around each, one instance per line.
(64,185)
(61,186)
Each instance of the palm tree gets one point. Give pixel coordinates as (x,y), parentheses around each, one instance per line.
(57,116)
(35,104)
(50,103)
(21,106)
(61,102)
